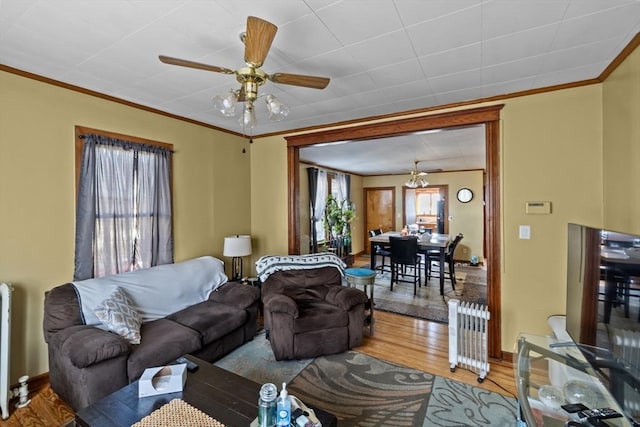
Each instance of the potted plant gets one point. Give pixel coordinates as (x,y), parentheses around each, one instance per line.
(337,217)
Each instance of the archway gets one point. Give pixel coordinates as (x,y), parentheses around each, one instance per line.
(490,117)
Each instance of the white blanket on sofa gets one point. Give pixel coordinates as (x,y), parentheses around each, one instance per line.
(269,264)
(156,291)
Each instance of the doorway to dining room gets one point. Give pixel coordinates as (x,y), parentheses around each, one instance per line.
(489,117)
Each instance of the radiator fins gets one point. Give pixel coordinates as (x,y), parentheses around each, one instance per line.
(468,329)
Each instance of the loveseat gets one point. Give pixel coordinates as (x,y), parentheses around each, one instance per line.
(307,310)
(182,308)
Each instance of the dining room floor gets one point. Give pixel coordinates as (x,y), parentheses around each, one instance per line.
(428,303)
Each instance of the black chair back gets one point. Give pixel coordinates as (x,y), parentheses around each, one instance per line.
(452,246)
(404,250)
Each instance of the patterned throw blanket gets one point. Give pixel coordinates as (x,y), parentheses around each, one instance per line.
(269,264)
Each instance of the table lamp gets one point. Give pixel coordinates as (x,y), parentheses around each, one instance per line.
(236,247)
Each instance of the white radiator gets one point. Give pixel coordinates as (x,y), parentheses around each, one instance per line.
(468,327)
(5,339)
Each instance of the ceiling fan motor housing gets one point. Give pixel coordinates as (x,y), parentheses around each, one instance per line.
(250,79)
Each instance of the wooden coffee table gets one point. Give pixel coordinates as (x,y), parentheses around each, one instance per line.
(223,395)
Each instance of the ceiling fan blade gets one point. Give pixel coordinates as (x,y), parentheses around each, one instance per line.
(257,40)
(300,80)
(191,64)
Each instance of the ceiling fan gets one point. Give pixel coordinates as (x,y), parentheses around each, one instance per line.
(257,41)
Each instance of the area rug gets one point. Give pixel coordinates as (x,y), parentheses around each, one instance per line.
(364,391)
(471,286)
(255,360)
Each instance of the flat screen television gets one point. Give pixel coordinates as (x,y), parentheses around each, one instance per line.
(603,305)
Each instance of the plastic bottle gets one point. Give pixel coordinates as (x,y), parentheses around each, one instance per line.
(284,408)
(267,405)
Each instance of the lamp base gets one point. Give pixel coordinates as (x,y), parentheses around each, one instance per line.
(236,268)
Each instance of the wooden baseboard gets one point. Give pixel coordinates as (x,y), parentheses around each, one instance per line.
(507,356)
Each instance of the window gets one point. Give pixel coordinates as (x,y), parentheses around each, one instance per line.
(322,185)
(336,184)
(123,219)
(427,201)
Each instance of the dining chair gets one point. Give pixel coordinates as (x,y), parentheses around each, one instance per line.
(434,256)
(382,251)
(619,287)
(405,261)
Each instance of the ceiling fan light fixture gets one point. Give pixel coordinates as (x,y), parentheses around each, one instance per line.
(225,105)
(248,118)
(277,110)
(417,179)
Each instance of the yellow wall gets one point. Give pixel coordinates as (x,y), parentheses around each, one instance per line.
(269,216)
(358,231)
(465,218)
(211,188)
(551,151)
(621,101)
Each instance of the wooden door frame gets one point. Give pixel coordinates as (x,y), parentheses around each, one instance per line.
(490,118)
(364,204)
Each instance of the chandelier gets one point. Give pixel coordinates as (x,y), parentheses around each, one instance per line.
(417,179)
(225,105)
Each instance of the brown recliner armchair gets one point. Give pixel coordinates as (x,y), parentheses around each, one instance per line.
(308,313)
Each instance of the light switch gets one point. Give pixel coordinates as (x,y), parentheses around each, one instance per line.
(525,232)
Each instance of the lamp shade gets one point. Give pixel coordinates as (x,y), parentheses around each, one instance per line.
(239,245)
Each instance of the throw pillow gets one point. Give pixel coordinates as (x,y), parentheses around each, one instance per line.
(119,315)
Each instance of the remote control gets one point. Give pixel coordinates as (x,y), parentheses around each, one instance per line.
(191,366)
(600,413)
(574,407)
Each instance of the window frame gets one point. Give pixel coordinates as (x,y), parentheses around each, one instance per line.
(79,145)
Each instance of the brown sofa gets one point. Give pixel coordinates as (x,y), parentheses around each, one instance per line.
(87,363)
(308,313)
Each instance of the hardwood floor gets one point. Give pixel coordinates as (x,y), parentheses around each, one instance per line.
(45,409)
(416,343)
(424,345)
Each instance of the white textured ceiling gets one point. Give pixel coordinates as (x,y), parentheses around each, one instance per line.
(461,148)
(382,56)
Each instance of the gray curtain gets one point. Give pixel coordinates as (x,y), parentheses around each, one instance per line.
(322,191)
(347,183)
(317,202)
(344,191)
(123,214)
(312,175)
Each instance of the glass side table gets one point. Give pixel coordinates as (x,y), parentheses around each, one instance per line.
(549,374)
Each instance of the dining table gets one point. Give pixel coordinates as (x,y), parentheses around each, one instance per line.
(426,242)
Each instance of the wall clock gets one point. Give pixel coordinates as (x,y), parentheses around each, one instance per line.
(465,195)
